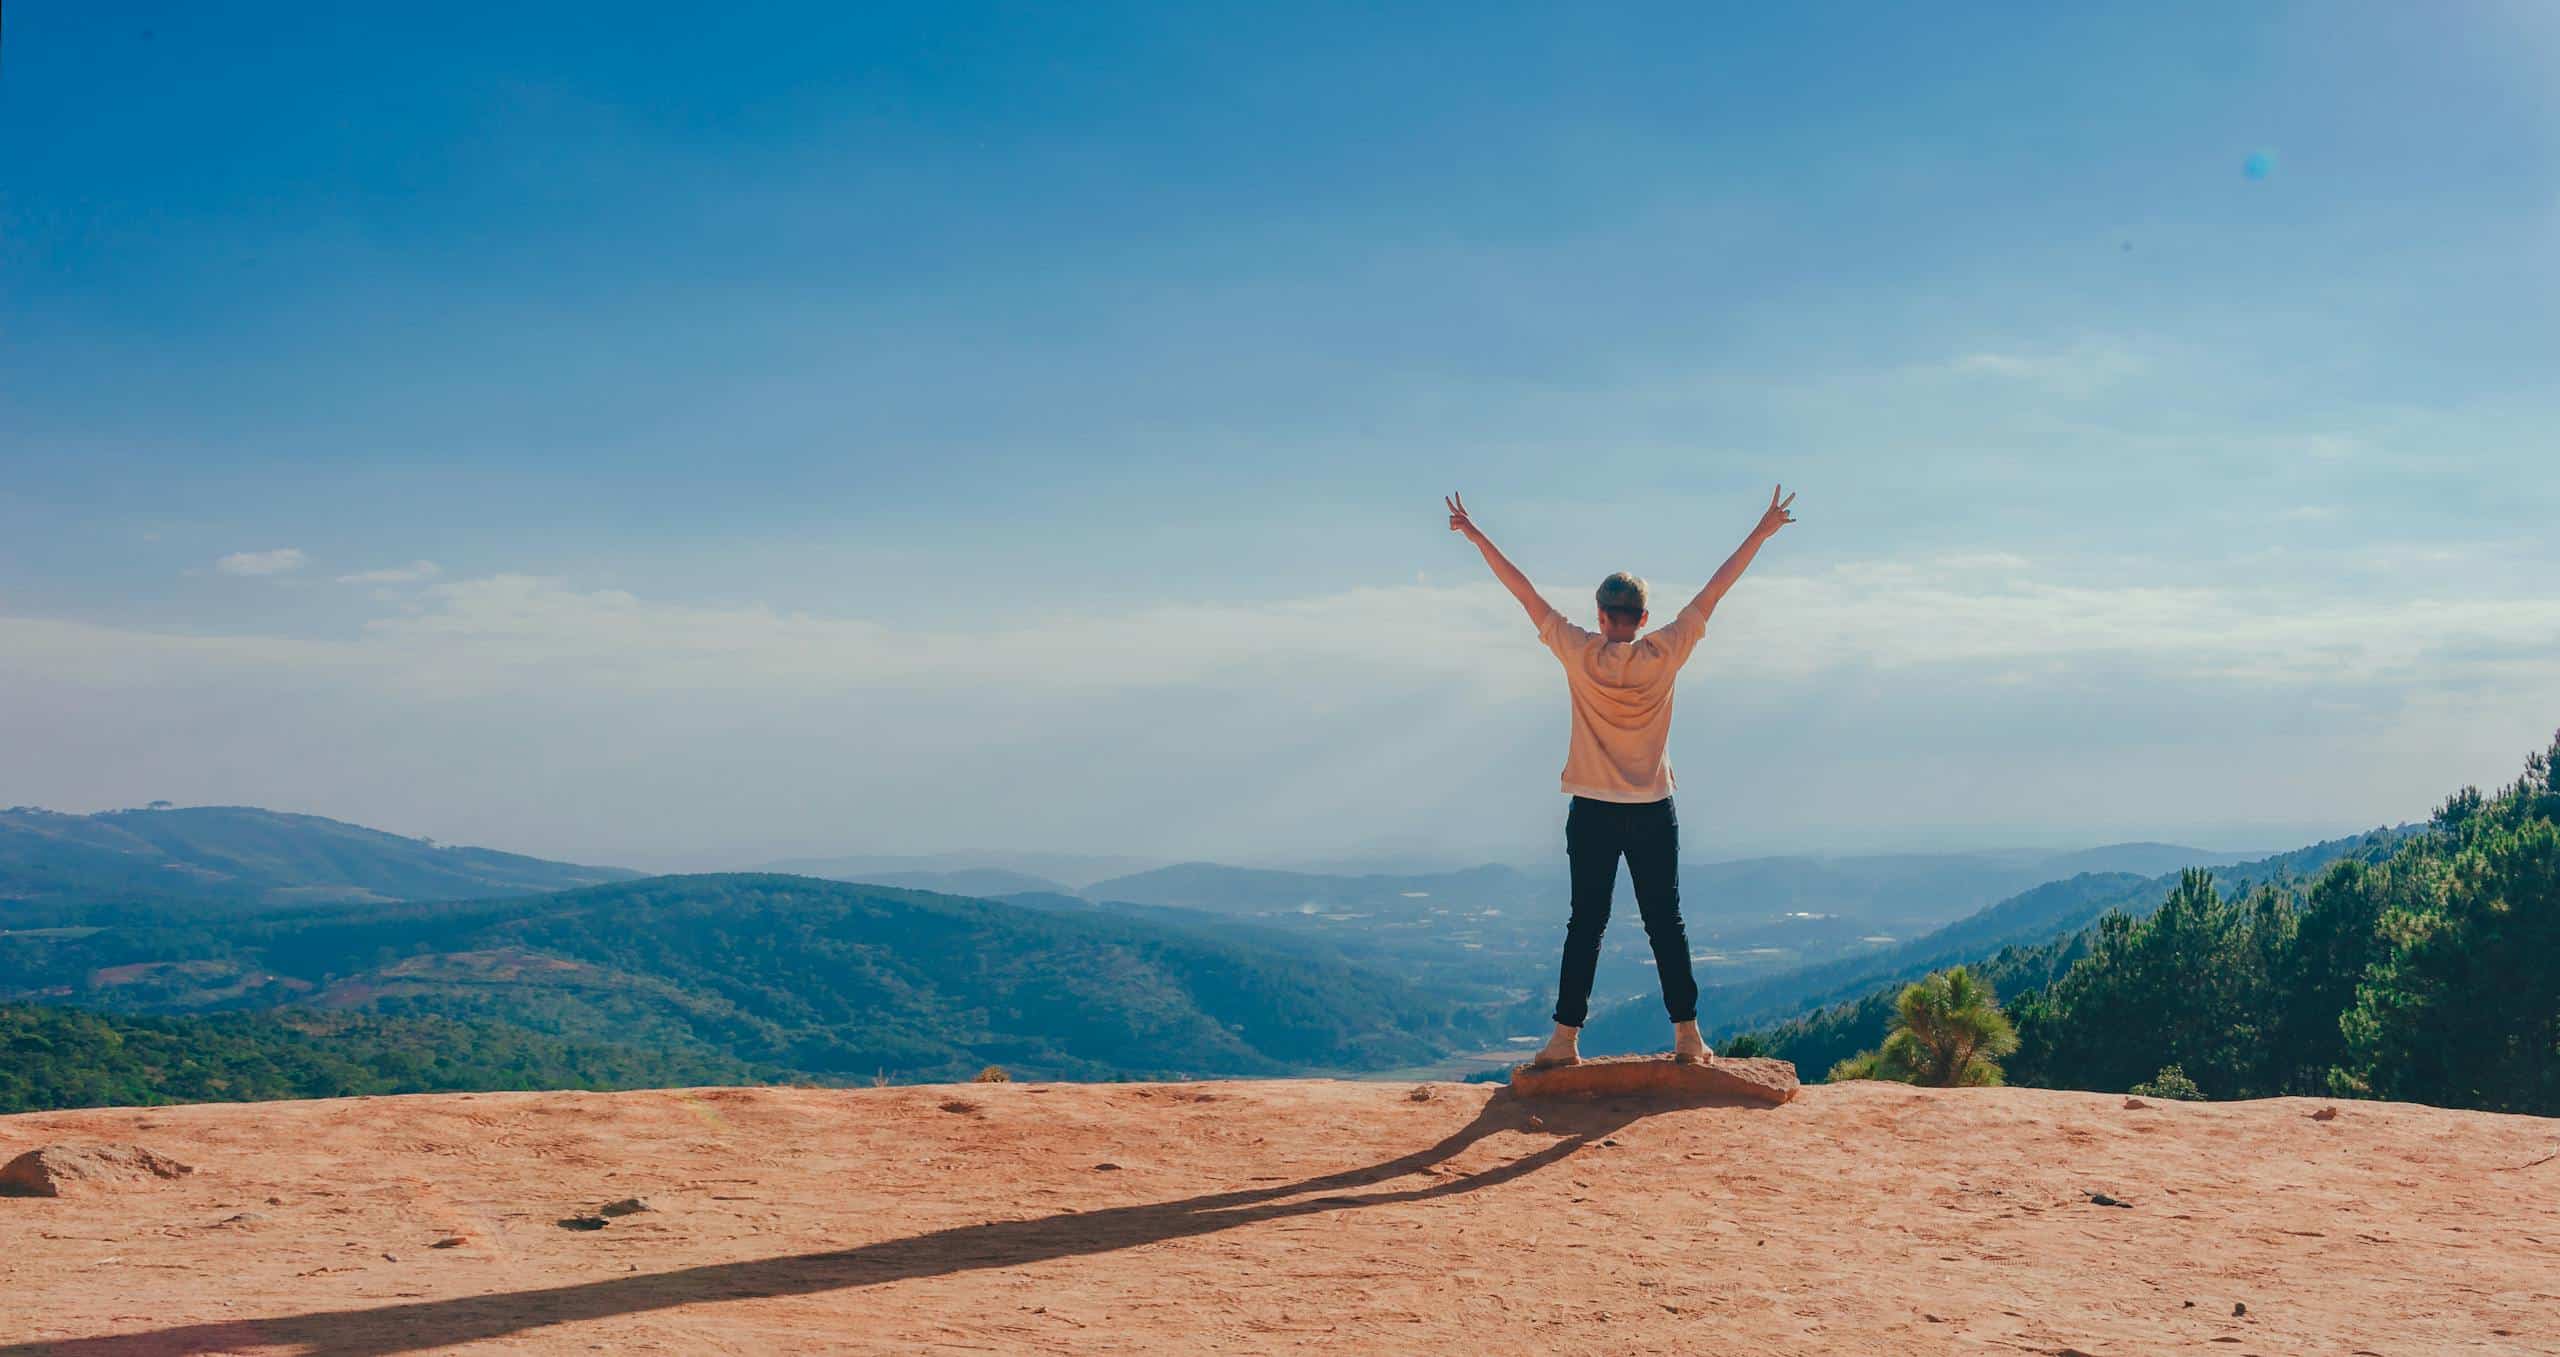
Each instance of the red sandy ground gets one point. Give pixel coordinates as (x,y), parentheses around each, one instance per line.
(1293,1215)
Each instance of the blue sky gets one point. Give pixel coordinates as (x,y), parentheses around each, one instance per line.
(880,428)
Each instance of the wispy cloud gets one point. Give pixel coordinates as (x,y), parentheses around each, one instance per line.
(2080,370)
(413,573)
(280,561)
(1992,610)
(1984,560)
(1988,609)
(1417,708)
(1893,616)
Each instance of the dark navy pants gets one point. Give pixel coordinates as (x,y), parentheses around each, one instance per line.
(1647,834)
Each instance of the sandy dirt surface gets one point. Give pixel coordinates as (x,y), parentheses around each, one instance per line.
(1292,1216)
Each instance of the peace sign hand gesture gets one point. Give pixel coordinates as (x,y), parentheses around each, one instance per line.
(1458,519)
(1777,516)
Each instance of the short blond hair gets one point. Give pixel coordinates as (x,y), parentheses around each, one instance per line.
(1622,593)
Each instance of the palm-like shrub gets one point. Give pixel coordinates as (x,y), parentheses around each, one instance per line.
(1948,1032)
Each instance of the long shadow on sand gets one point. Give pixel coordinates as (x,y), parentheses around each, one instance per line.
(421,1325)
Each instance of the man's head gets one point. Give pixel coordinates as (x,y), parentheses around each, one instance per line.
(1622,610)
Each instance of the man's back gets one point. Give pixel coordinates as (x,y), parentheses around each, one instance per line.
(1621,695)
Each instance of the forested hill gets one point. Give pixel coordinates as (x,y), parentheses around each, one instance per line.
(67,1057)
(52,864)
(2428,974)
(2422,966)
(2030,919)
(804,977)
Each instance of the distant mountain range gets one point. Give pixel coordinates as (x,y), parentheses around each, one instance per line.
(1814,900)
(984,883)
(924,966)
(240,855)
(1500,925)
(1049,871)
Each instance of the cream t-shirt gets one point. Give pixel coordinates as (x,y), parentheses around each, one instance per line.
(1621,705)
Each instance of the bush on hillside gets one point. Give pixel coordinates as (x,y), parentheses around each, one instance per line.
(2170,1082)
(1863,1065)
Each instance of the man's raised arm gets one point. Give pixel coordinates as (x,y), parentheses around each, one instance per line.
(1775,518)
(1503,569)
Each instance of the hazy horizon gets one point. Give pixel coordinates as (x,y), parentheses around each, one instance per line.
(1078,867)
(623,433)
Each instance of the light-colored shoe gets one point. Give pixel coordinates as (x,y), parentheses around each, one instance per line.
(1687,1046)
(1563,1048)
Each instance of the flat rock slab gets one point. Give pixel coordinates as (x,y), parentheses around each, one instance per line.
(1754,1079)
(52,1170)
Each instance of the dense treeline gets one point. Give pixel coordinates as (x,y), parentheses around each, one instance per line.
(2426,970)
(2431,976)
(54,1058)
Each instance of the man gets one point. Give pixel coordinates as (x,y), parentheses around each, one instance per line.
(1618,776)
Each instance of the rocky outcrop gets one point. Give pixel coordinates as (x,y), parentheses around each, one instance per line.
(60,1170)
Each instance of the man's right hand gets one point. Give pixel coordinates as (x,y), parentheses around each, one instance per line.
(1458,519)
